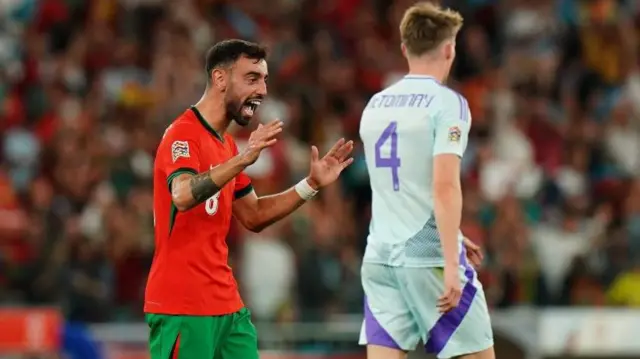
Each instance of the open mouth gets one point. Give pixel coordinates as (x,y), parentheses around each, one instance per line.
(250,107)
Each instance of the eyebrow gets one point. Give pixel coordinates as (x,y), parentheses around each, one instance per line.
(258,74)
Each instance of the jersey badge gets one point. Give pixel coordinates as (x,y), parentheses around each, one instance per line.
(454,134)
(179,149)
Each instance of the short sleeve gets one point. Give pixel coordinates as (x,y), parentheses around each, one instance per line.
(452,126)
(243,182)
(179,153)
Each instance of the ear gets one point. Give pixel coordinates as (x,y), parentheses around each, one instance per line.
(403,48)
(449,50)
(219,79)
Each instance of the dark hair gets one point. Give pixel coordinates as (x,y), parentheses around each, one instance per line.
(226,52)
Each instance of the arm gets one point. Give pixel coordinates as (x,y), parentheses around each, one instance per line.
(189,189)
(256,213)
(447,195)
(451,134)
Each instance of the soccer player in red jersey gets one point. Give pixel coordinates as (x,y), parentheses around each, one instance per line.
(192,303)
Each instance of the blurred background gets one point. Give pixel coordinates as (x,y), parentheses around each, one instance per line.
(551,175)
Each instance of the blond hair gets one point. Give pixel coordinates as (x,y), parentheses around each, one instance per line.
(425,26)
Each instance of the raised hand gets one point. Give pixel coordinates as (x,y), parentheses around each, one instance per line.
(260,139)
(325,170)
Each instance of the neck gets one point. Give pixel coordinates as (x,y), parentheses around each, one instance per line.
(420,67)
(212,108)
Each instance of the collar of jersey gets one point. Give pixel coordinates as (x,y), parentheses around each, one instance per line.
(420,77)
(206,124)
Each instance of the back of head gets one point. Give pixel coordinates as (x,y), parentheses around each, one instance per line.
(426,26)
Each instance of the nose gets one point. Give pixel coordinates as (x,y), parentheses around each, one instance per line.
(262,89)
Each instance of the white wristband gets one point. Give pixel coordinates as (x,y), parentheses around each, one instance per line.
(305,191)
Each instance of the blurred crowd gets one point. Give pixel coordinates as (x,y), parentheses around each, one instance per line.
(551,176)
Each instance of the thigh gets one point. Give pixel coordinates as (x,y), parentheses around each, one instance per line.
(388,322)
(466,329)
(421,288)
(241,340)
(182,337)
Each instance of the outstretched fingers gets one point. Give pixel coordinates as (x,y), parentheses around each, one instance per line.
(336,147)
(344,164)
(344,151)
(264,135)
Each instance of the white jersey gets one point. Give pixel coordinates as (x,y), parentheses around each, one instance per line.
(403,127)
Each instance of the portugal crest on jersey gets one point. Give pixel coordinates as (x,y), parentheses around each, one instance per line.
(454,134)
(179,149)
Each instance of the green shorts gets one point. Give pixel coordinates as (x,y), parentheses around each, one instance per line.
(202,337)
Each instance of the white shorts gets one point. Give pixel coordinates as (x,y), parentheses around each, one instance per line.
(401,308)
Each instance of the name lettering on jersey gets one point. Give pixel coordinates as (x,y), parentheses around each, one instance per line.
(403,100)
(179,149)
(454,134)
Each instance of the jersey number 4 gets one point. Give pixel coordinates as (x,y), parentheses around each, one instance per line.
(393,161)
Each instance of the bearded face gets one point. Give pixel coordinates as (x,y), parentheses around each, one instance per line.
(240,106)
(245,90)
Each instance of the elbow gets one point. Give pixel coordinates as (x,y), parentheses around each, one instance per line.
(254,226)
(256,229)
(447,196)
(253,222)
(181,207)
(181,204)
(446,189)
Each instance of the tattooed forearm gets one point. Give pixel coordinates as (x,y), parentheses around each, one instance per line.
(188,191)
(202,187)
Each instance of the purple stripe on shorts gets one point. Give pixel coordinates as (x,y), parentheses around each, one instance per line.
(463,261)
(376,334)
(447,324)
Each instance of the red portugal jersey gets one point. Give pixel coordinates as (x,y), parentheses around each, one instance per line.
(190,274)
